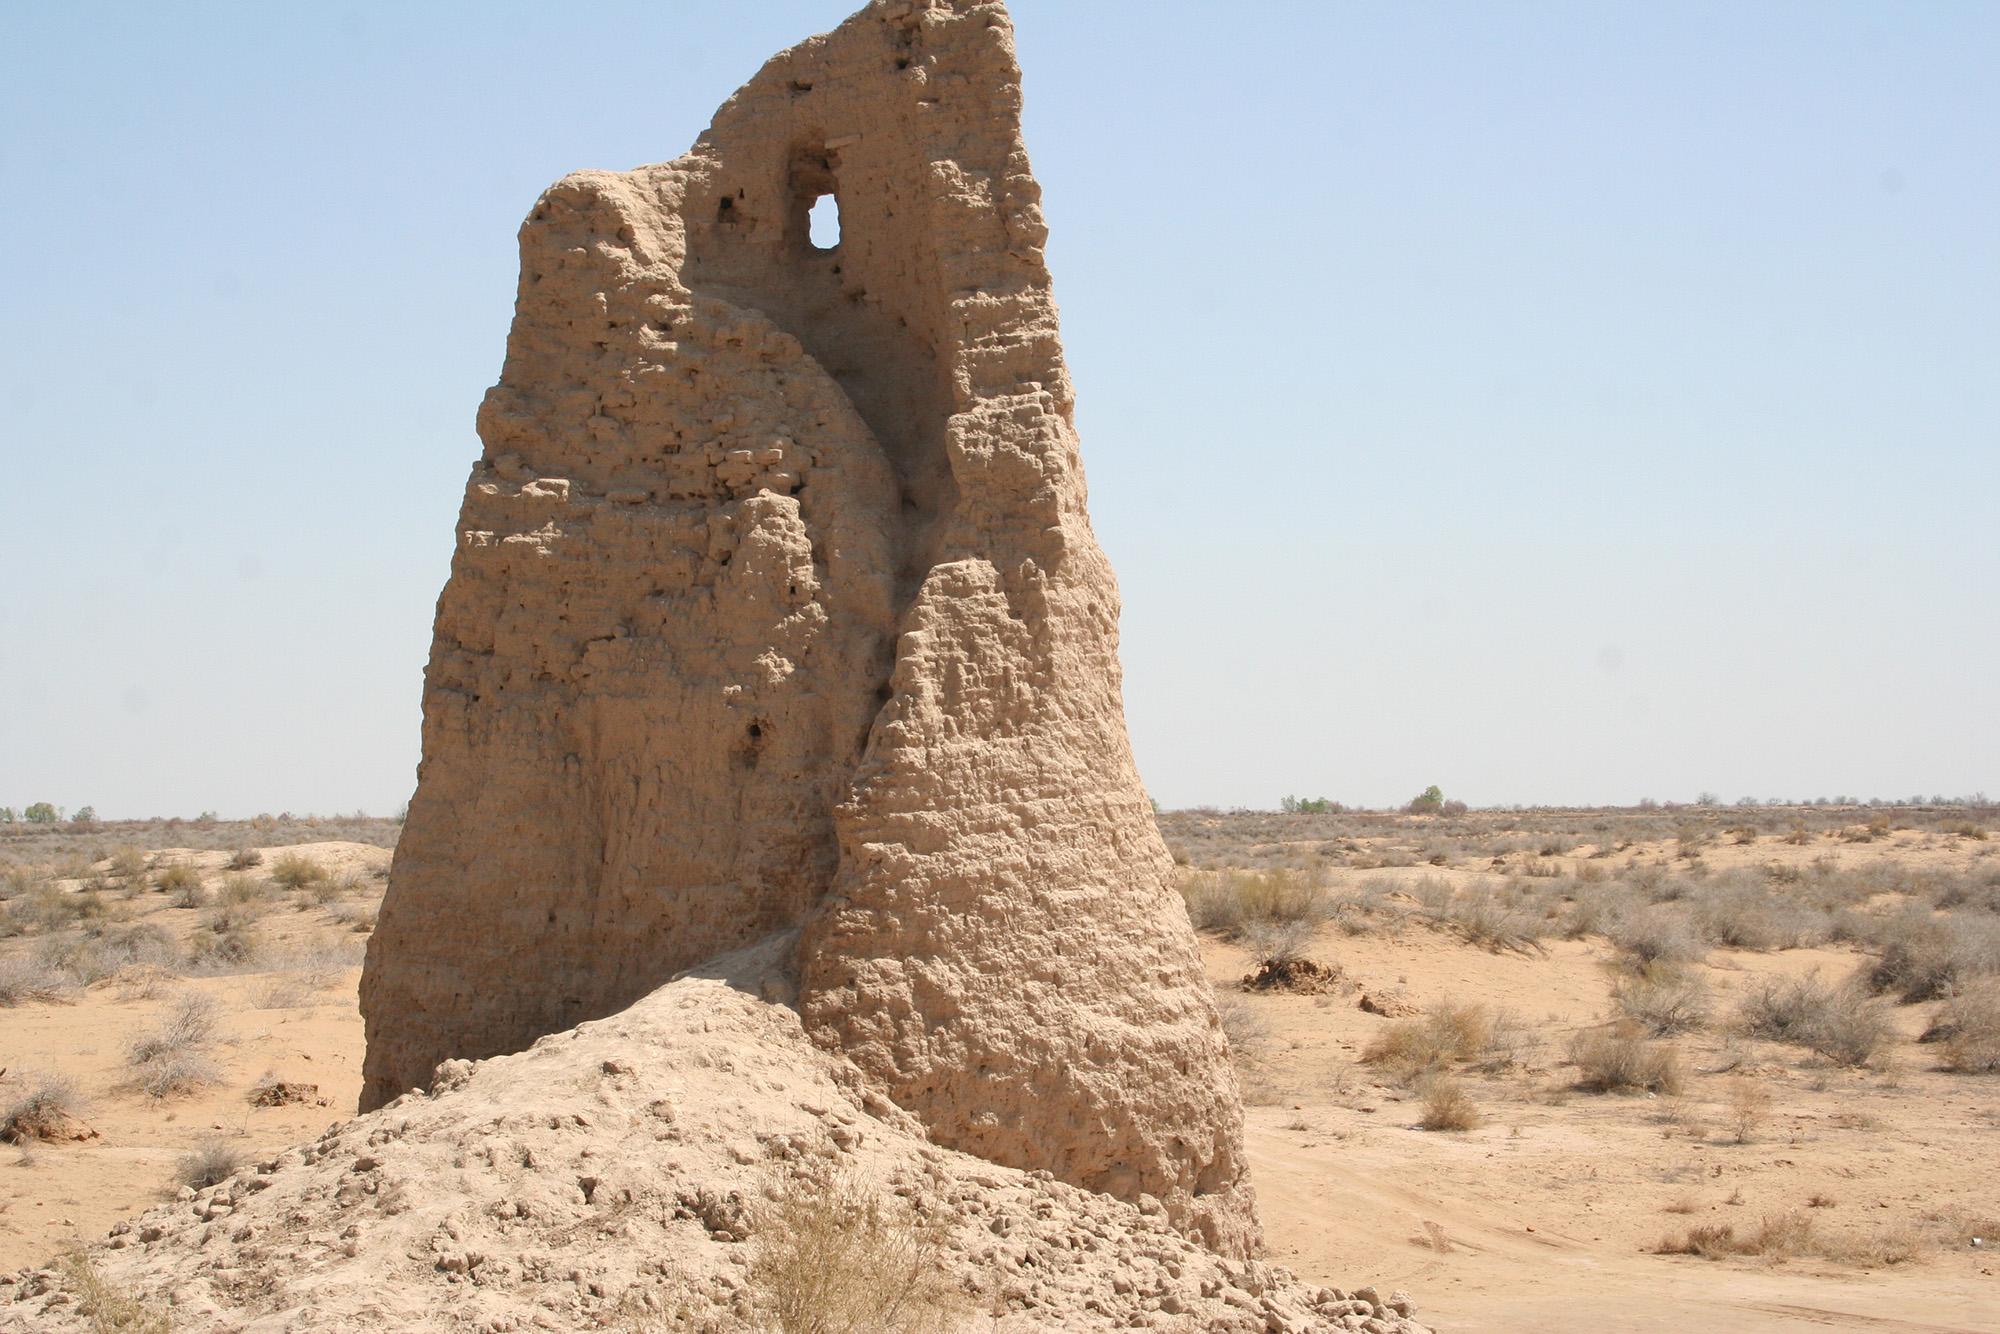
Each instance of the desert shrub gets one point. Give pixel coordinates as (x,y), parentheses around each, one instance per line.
(1749,1106)
(1657,935)
(833,1258)
(333,889)
(105,950)
(244,859)
(109,1309)
(228,938)
(181,880)
(1412,1048)
(1592,913)
(171,1058)
(1968,1028)
(1446,1105)
(1926,957)
(1741,914)
(296,872)
(1278,942)
(1621,1060)
(128,862)
(1663,1000)
(45,1111)
(245,891)
(1228,902)
(31,982)
(1479,917)
(1791,1235)
(1246,1030)
(354,916)
(1838,1022)
(209,1163)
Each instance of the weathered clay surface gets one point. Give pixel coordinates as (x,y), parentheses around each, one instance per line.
(776,604)
(618,1176)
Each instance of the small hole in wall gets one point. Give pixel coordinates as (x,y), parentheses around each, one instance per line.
(824,227)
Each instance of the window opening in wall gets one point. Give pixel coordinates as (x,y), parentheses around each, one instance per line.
(824,227)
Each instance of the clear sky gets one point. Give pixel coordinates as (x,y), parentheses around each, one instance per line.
(1555,402)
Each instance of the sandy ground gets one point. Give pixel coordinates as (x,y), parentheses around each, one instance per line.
(1543,1218)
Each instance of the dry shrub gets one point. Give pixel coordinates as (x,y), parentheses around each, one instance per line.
(296,872)
(1246,1030)
(1412,1048)
(1657,935)
(128,862)
(245,891)
(1480,917)
(1968,1027)
(103,951)
(48,1111)
(31,982)
(1778,1237)
(1231,902)
(228,939)
(1741,914)
(1749,1107)
(1277,942)
(1446,1105)
(834,1258)
(171,1058)
(183,882)
(244,859)
(110,1310)
(1663,999)
(354,916)
(1838,1022)
(209,1163)
(1621,1060)
(1926,958)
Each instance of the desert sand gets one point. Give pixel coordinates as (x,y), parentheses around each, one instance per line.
(1545,1216)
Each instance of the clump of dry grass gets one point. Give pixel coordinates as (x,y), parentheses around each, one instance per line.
(244,859)
(1622,1060)
(294,871)
(1657,935)
(1926,957)
(354,916)
(109,1309)
(210,1163)
(1447,1033)
(1230,902)
(102,950)
(172,1057)
(1777,1237)
(47,1111)
(833,1258)
(1968,1028)
(1480,917)
(1446,1104)
(227,939)
(31,982)
(182,882)
(1749,1107)
(1663,999)
(1838,1022)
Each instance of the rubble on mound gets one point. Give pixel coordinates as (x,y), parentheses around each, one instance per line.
(1305,977)
(622,1172)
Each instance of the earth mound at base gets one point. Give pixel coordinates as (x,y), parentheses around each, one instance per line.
(619,1175)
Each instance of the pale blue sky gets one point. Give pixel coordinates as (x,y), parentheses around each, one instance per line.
(1555,402)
